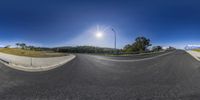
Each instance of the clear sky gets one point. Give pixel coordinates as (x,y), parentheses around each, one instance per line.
(71,22)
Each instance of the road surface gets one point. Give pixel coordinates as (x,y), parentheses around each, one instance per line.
(175,76)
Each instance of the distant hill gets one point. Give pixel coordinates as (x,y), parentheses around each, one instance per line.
(84,49)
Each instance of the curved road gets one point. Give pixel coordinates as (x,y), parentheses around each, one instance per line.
(175,76)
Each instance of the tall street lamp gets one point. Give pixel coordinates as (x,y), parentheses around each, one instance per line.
(100,34)
(115,38)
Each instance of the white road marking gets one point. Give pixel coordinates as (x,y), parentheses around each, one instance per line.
(133,60)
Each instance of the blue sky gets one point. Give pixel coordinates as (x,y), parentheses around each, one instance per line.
(71,22)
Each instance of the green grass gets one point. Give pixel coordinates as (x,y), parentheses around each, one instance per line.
(30,53)
(198,50)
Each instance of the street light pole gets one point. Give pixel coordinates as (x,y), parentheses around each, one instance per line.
(115,39)
(99,35)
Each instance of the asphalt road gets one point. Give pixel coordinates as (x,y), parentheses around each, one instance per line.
(175,76)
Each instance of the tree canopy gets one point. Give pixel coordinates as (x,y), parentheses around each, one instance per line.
(139,45)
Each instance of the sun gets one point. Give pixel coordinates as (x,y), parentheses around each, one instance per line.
(99,34)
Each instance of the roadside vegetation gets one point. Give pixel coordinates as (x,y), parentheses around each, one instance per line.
(197,50)
(141,45)
(30,51)
(85,49)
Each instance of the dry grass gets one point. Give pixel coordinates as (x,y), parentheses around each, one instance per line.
(30,53)
(198,50)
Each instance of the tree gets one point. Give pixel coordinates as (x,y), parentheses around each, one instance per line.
(157,48)
(84,49)
(17,44)
(31,47)
(128,48)
(139,45)
(171,48)
(22,45)
(8,46)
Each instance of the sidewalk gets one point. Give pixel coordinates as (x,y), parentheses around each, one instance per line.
(195,54)
(34,64)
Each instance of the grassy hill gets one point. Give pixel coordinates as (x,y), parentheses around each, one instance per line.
(30,53)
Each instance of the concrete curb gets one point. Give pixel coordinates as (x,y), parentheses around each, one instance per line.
(194,54)
(39,68)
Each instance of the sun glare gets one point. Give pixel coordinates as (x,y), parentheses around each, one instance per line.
(99,34)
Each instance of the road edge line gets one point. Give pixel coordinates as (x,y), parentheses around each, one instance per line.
(135,60)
